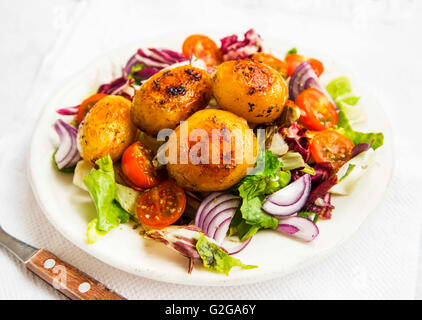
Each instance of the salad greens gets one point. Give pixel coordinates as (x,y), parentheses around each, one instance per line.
(294,160)
(352,171)
(102,188)
(341,91)
(291,51)
(250,217)
(214,258)
(92,233)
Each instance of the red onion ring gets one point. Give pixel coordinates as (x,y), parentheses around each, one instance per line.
(289,200)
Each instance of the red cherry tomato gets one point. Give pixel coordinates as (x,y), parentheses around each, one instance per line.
(203,47)
(137,167)
(87,104)
(317,111)
(331,146)
(162,205)
(293,60)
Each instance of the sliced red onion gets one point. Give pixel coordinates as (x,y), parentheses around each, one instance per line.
(211,204)
(204,203)
(221,225)
(70,111)
(119,86)
(239,246)
(304,77)
(222,206)
(67,154)
(217,222)
(290,199)
(145,73)
(298,227)
(214,216)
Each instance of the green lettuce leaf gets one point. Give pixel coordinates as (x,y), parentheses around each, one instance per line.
(215,258)
(253,189)
(102,188)
(377,138)
(341,91)
(339,87)
(291,51)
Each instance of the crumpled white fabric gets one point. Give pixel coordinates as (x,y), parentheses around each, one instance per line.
(379,262)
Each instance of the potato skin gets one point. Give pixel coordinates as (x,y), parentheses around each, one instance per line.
(170,96)
(226,171)
(106,129)
(250,89)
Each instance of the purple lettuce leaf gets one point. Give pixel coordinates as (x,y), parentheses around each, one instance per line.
(297,140)
(232,48)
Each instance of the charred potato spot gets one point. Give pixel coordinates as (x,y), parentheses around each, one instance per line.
(255,77)
(169,97)
(106,129)
(250,89)
(221,165)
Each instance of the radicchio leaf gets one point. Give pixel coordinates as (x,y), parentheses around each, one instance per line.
(321,190)
(322,207)
(183,239)
(297,140)
(232,48)
(361,147)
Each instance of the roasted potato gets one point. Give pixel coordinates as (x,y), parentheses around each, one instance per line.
(216,156)
(250,89)
(106,129)
(170,96)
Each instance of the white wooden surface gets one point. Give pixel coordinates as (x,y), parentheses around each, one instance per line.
(379,40)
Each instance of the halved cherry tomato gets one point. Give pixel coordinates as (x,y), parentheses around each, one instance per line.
(87,104)
(162,205)
(137,166)
(331,146)
(317,66)
(317,111)
(293,60)
(269,59)
(203,47)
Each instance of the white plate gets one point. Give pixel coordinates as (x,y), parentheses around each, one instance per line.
(70,209)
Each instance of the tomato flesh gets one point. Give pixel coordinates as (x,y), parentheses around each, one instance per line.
(87,104)
(162,205)
(331,146)
(317,111)
(137,166)
(202,47)
(293,60)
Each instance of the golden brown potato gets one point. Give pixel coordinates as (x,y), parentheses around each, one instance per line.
(250,89)
(106,129)
(218,149)
(170,96)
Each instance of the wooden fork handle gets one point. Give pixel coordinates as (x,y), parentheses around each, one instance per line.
(70,281)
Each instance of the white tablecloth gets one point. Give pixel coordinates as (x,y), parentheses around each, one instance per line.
(45,43)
